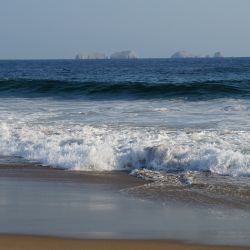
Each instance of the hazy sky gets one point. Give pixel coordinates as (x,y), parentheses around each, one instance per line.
(154,28)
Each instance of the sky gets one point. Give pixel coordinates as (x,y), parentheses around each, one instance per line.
(59,29)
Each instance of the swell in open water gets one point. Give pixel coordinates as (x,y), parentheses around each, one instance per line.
(125,89)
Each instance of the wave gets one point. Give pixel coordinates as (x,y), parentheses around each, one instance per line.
(129,89)
(89,148)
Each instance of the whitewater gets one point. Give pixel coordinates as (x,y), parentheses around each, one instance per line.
(61,115)
(98,137)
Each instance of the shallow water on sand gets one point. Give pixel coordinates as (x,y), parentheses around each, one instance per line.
(43,202)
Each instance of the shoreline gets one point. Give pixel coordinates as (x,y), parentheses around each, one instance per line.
(94,207)
(24,242)
(29,171)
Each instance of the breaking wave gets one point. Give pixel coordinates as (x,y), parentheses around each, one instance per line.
(120,90)
(90,148)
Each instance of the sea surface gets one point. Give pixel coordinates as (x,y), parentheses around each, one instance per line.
(154,118)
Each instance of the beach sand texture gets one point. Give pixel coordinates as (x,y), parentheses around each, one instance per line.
(47,243)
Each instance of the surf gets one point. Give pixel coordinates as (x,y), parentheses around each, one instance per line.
(102,148)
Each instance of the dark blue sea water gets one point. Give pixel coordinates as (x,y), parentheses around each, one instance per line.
(172,116)
(190,79)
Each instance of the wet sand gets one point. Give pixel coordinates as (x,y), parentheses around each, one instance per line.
(99,211)
(48,243)
(27,171)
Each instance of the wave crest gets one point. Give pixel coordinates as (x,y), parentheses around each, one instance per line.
(104,149)
(44,88)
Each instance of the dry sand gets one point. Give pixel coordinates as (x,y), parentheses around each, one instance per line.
(8,242)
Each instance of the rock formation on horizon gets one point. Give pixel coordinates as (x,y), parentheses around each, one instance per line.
(90,56)
(183,54)
(128,54)
(218,54)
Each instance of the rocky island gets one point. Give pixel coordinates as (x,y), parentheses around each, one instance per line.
(185,54)
(90,56)
(218,55)
(128,54)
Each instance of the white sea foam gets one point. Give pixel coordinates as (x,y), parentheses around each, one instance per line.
(128,135)
(104,148)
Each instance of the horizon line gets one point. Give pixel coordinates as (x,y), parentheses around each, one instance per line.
(110,59)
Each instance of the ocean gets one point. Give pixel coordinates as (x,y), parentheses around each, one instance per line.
(126,149)
(154,118)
